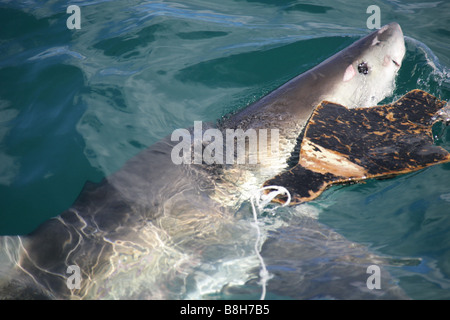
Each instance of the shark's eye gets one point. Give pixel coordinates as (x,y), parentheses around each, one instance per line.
(363,68)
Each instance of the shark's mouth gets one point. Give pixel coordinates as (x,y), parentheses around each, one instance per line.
(343,145)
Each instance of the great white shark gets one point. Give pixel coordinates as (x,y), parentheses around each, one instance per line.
(142,231)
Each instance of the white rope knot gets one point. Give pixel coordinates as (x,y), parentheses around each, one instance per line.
(262,200)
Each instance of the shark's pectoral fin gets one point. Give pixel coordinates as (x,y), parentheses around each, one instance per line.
(342,145)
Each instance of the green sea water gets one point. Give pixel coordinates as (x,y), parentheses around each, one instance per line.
(76,104)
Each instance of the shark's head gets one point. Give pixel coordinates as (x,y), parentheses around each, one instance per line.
(371,65)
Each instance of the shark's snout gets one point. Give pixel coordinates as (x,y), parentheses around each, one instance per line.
(393,34)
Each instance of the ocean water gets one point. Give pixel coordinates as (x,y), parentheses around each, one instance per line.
(75,105)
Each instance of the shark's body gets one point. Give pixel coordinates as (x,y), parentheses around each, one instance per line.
(146,226)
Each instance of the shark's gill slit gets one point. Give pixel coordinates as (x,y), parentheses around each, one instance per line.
(262,200)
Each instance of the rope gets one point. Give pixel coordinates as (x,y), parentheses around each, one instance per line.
(262,200)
